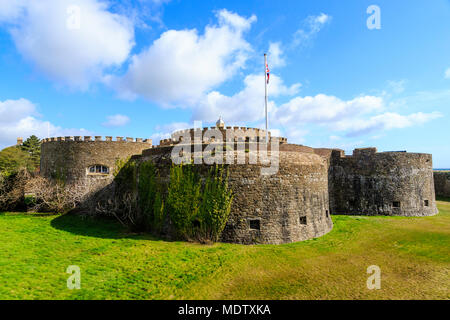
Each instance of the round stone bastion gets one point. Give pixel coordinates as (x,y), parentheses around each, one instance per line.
(382,183)
(75,159)
(287,206)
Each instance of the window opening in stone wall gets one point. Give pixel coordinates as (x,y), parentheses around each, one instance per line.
(98,169)
(303,220)
(327,213)
(255,224)
(396,204)
(426,203)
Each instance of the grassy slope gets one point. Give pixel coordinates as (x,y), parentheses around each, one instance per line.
(413,253)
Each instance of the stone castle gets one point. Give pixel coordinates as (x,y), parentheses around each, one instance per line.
(293,204)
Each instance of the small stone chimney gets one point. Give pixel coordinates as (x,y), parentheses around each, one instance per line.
(19,141)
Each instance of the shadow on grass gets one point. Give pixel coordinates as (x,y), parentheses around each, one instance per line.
(25,213)
(439,198)
(98,228)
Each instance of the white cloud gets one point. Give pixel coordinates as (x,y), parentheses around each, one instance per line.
(10,10)
(312,25)
(142,13)
(447,73)
(164,131)
(13,110)
(182,65)
(19,118)
(396,87)
(323,108)
(45,32)
(232,19)
(385,121)
(275,58)
(117,120)
(296,135)
(159,2)
(275,132)
(246,105)
(355,117)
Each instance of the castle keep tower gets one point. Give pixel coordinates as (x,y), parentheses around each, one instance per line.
(293,203)
(77,158)
(290,205)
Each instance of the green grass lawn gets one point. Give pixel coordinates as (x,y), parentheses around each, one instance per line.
(413,254)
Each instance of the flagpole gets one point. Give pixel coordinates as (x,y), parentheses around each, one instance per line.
(265,101)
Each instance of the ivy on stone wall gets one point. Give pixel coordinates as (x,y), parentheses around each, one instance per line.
(183,199)
(125,175)
(150,200)
(199,209)
(195,206)
(216,204)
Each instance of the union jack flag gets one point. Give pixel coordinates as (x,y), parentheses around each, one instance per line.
(268,73)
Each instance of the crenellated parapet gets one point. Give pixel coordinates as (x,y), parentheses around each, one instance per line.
(381,183)
(289,205)
(73,157)
(225,134)
(96,139)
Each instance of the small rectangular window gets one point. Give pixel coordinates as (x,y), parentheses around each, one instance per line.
(255,224)
(426,203)
(396,204)
(303,220)
(327,213)
(92,169)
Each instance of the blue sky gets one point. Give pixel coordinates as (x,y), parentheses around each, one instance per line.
(144,68)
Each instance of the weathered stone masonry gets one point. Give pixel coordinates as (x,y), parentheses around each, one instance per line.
(289,206)
(293,204)
(70,157)
(442,183)
(385,183)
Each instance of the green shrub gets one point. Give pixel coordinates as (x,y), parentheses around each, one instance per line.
(199,211)
(125,174)
(32,146)
(158,212)
(26,156)
(12,190)
(216,204)
(196,208)
(183,199)
(13,159)
(150,198)
(123,205)
(119,165)
(30,201)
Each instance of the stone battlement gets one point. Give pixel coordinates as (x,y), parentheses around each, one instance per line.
(248,130)
(373,153)
(229,134)
(381,183)
(96,139)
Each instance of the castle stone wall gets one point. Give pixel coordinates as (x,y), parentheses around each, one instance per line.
(385,183)
(70,157)
(442,183)
(225,134)
(291,205)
